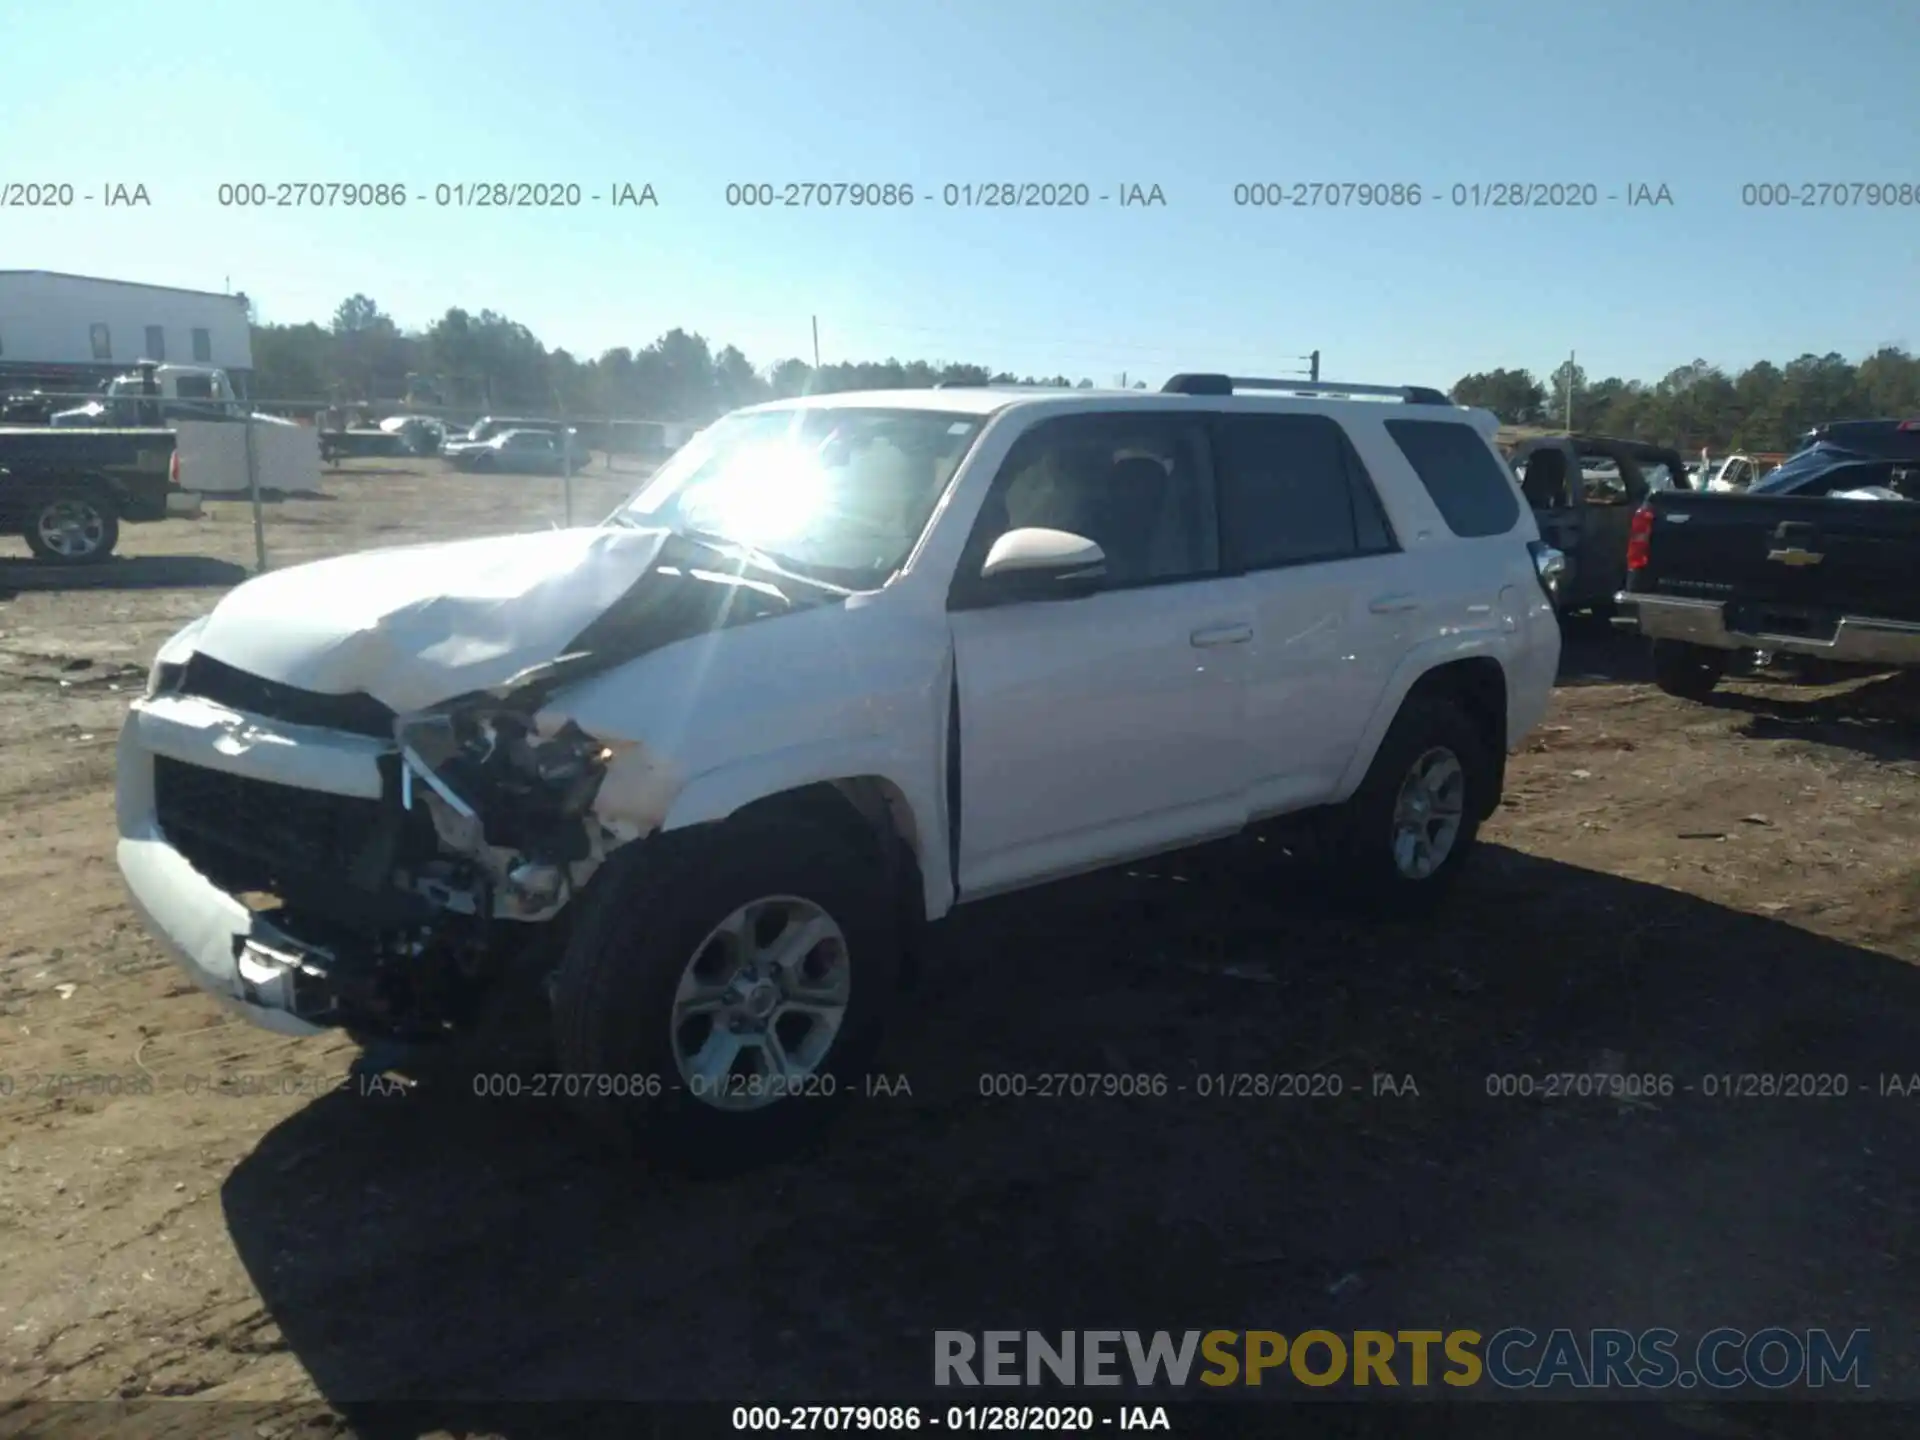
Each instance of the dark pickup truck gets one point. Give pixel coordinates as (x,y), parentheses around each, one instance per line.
(1714,578)
(360,443)
(1582,489)
(68,490)
(408,435)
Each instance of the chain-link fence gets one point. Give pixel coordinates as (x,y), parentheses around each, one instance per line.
(110,485)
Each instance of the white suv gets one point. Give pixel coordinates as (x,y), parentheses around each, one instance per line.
(685,784)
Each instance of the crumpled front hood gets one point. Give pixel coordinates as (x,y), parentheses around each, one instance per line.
(419,624)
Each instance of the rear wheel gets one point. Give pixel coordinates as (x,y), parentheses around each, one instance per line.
(1689,672)
(77,529)
(1401,840)
(723,993)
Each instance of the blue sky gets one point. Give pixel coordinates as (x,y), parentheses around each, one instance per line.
(1702,96)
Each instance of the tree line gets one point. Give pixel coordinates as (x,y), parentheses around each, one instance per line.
(485,360)
(465,360)
(1765,407)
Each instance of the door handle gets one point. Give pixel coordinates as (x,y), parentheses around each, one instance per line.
(1393,604)
(1221,635)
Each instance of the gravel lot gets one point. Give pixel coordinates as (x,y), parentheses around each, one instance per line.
(1669,889)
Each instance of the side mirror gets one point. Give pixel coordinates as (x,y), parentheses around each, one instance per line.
(1040,564)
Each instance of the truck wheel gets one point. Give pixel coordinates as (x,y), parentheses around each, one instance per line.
(77,529)
(722,991)
(1400,841)
(1689,672)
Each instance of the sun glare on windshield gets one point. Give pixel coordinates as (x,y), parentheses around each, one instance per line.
(763,492)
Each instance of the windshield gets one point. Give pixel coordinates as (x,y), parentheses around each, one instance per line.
(838,494)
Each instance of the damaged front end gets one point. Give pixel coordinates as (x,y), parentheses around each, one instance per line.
(429,913)
(511,804)
(324,838)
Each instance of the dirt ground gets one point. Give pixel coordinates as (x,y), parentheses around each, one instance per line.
(1670,889)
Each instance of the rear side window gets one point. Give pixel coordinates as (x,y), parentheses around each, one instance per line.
(1470,487)
(1292,491)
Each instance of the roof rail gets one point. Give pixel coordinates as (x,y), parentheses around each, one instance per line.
(1205,384)
(995,385)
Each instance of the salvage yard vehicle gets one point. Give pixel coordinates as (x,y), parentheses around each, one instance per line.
(1794,567)
(361,442)
(1582,489)
(490,427)
(1883,439)
(396,435)
(154,394)
(422,434)
(687,785)
(68,491)
(1738,474)
(521,452)
(211,442)
(1826,469)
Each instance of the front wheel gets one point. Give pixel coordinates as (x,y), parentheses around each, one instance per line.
(77,529)
(1400,841)
(1687,672)
(736,979)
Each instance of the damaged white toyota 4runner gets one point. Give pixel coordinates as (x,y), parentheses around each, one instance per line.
(684,785)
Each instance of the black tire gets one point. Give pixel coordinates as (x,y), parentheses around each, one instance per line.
(647,915)
(1362,832)
(86,518)
(1688,672)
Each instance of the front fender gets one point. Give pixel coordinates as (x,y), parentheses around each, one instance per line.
(721,792)
(1430,655)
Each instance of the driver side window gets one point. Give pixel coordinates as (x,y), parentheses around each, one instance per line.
(1138,486)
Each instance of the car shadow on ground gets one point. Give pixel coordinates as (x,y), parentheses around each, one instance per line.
(462,1252)
(1880,718)
(1592,652)
(122,572)
(271,496)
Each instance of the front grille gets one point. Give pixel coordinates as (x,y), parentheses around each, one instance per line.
(246,834)
(358,714)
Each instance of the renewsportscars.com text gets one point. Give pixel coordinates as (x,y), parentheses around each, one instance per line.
(1514,1358)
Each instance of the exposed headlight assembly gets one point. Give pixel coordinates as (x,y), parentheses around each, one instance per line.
(488,762)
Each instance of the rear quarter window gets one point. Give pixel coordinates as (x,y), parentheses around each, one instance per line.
(1472,490)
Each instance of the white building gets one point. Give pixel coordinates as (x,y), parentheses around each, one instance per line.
(56,328)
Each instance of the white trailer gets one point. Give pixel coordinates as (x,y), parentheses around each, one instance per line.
(52,323)
(213,457)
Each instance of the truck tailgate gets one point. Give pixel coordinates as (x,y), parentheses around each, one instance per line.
(1785,562)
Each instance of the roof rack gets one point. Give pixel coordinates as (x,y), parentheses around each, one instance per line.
(1204,384)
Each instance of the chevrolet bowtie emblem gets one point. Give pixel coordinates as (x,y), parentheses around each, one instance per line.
(1796,556)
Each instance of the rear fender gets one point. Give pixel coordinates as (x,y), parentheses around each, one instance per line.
(1442,650)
